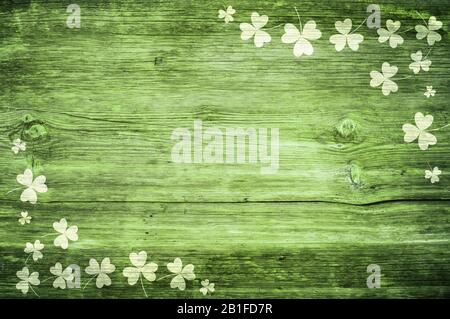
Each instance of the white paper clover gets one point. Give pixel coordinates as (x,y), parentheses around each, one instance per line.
(227,15)
(430,92)
(182,273)
(207,287)
(429,31)
(34,249)
(418,131)
(301,38)
(26,280)
(433,176)
(67,233)
(420,63)
(25,219)
(141,267)
(100,271)
(389,34)
(254,30)
(33,186)
(18,145)
(345,37)
(384,79)
(62,276)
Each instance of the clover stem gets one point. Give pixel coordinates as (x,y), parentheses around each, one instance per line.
(299,20)
(142,284)
(405,78)
(277,26)
(26,260)
(405,31)
(161,278)
(429,166)
(429,51)
(13,190)
(88,282)
(33,291)
(46,279)
(359,26)
(426,23)
(440,128)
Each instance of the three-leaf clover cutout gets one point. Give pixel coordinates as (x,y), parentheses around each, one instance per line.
(389,34)
(34,249)
(346,37)
(384,78)
(27,279)
(100,271)
(429,31)
(182,273)
(67,233)
(433,175)
(207,287)
(301,37)
(18,145)
(62,276)
(254,30)
(33,186)
(418,131)
(227,15)
(420,62)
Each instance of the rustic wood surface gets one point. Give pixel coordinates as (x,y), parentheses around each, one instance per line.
(97,106)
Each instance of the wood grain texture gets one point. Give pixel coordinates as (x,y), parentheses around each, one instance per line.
(97,106)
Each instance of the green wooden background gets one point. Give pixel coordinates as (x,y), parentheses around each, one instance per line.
(97,106)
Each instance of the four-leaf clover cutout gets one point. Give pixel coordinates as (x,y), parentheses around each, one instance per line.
(345,37)
(418,131)
(301,37)
(384,79)
(33,186)
(429,31)
(254,30)
(389,34)
(182,273)
(420,63)
(101,271)
(67,233)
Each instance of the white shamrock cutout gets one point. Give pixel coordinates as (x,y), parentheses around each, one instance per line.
(182,273)
(25,219)
(430,92)
(141,267)
(389,34)
(419,63)
(227,15)
(254,30)
(101,271)
(18,145)
(207,287)
(345,37)
(62,276)
(301,38)
(429,31)
(38,185)
(433,176)
(35,249)
(383,79)
(26,280)
(418,131)
(66,233)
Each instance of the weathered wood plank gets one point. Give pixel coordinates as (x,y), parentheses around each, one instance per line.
(262,250)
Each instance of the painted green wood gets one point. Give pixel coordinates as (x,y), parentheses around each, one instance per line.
(97,107)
